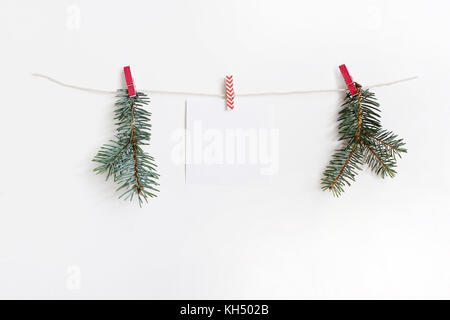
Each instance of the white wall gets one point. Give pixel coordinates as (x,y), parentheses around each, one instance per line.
(64,233)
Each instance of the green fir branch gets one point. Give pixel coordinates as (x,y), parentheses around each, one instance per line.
(342,168)
(123,158)
(364,142)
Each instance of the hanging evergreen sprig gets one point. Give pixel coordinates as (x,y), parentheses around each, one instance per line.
(123,158)
(365,142)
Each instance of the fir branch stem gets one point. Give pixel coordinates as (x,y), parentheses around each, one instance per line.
(344,166)
(135,150)
(379,140)
(358,134)
(120,151)
(376,156)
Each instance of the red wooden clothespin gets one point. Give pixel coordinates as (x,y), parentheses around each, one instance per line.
(230,92)
(348,80)
(129,80)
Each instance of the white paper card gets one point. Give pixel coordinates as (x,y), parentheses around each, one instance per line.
(230,147)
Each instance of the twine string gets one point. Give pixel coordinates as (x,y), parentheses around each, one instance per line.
(256,94)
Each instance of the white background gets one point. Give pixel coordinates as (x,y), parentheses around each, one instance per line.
(64,233)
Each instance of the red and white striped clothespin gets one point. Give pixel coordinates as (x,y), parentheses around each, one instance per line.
(129,80)
(230,92)
(348,80)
